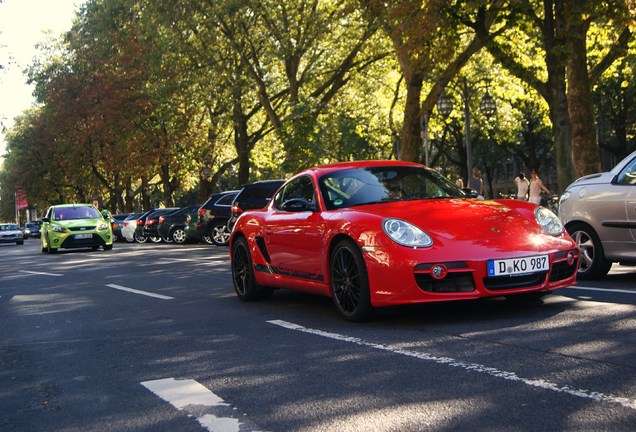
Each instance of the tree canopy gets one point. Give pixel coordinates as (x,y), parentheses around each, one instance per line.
(156,102)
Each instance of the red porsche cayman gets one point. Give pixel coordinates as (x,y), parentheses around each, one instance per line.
(371,234)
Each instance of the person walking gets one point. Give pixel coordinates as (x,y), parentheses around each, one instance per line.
(476,182)
(536,186)
(522,184)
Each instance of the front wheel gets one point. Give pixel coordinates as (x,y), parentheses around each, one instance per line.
(592,262)
(245,284)
(155,239)
(349,282)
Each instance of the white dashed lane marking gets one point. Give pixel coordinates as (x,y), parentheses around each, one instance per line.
(190,396)
(40,273)
(135,291)
(472,367)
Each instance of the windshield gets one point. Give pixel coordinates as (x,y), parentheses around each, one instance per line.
(69,213)
(9,227)
(359,186)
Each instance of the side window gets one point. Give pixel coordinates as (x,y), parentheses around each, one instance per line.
(226,200)
(628,175)
(302,187)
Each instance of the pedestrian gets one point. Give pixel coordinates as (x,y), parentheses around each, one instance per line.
(477,183)
(522,184)
(536,186)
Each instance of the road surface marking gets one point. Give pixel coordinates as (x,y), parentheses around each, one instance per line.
(134,291)
(600,289)
(474,367)
(186,394)
(40,273)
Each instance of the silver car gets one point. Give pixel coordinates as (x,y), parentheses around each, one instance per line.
(599,212)
(11,233)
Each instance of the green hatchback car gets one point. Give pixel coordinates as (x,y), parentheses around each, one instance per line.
(75,226)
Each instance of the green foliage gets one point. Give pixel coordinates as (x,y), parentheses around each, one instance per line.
(185,98)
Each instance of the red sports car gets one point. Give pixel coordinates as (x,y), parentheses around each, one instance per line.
(381,233)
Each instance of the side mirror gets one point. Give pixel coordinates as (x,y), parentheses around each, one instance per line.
(471,193)
(45,219)
(297,205)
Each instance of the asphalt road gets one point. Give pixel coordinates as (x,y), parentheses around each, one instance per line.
(152,338)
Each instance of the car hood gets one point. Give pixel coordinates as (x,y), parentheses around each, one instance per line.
(457,221)
(76,223)
(599,178)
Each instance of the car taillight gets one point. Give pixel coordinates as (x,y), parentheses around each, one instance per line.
(188,219)
(161,219)
(140,222)
(149,222)
(236,208)
(201,212)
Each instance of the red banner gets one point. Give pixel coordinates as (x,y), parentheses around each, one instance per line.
(21,200)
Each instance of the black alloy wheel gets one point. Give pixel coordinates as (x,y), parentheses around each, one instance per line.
(245,284)
(350,283)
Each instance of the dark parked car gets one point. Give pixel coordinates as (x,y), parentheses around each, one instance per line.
(212,218)
(171,226)
(117,222)
(151,224)
(253,196)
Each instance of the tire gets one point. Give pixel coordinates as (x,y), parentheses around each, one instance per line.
(245,285)
(140,238)
(155,239)
(108,247)
(592,262)
(349,282)
(207,240)
(178,235)
(166,239)
(220,235)
(21,242)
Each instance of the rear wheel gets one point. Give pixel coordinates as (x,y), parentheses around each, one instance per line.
(220,234)
(155,239)
(245,284)
(140,238)
(350,283)
(207,240)
(592,262)
(178,235)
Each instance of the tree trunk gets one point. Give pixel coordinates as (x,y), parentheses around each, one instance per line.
(579,95)
(410,145)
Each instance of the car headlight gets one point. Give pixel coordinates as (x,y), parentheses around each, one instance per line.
(548,221)
(102,226)
(565,196)
(58,228)
(406,234)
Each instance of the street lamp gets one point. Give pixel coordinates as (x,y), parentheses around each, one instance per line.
(486,105)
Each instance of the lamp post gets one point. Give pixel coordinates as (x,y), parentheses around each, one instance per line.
(486,105)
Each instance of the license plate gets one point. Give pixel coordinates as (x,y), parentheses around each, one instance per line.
(514,266)
(83,236)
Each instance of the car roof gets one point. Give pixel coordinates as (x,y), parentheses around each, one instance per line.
(72,205)
(337,166)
